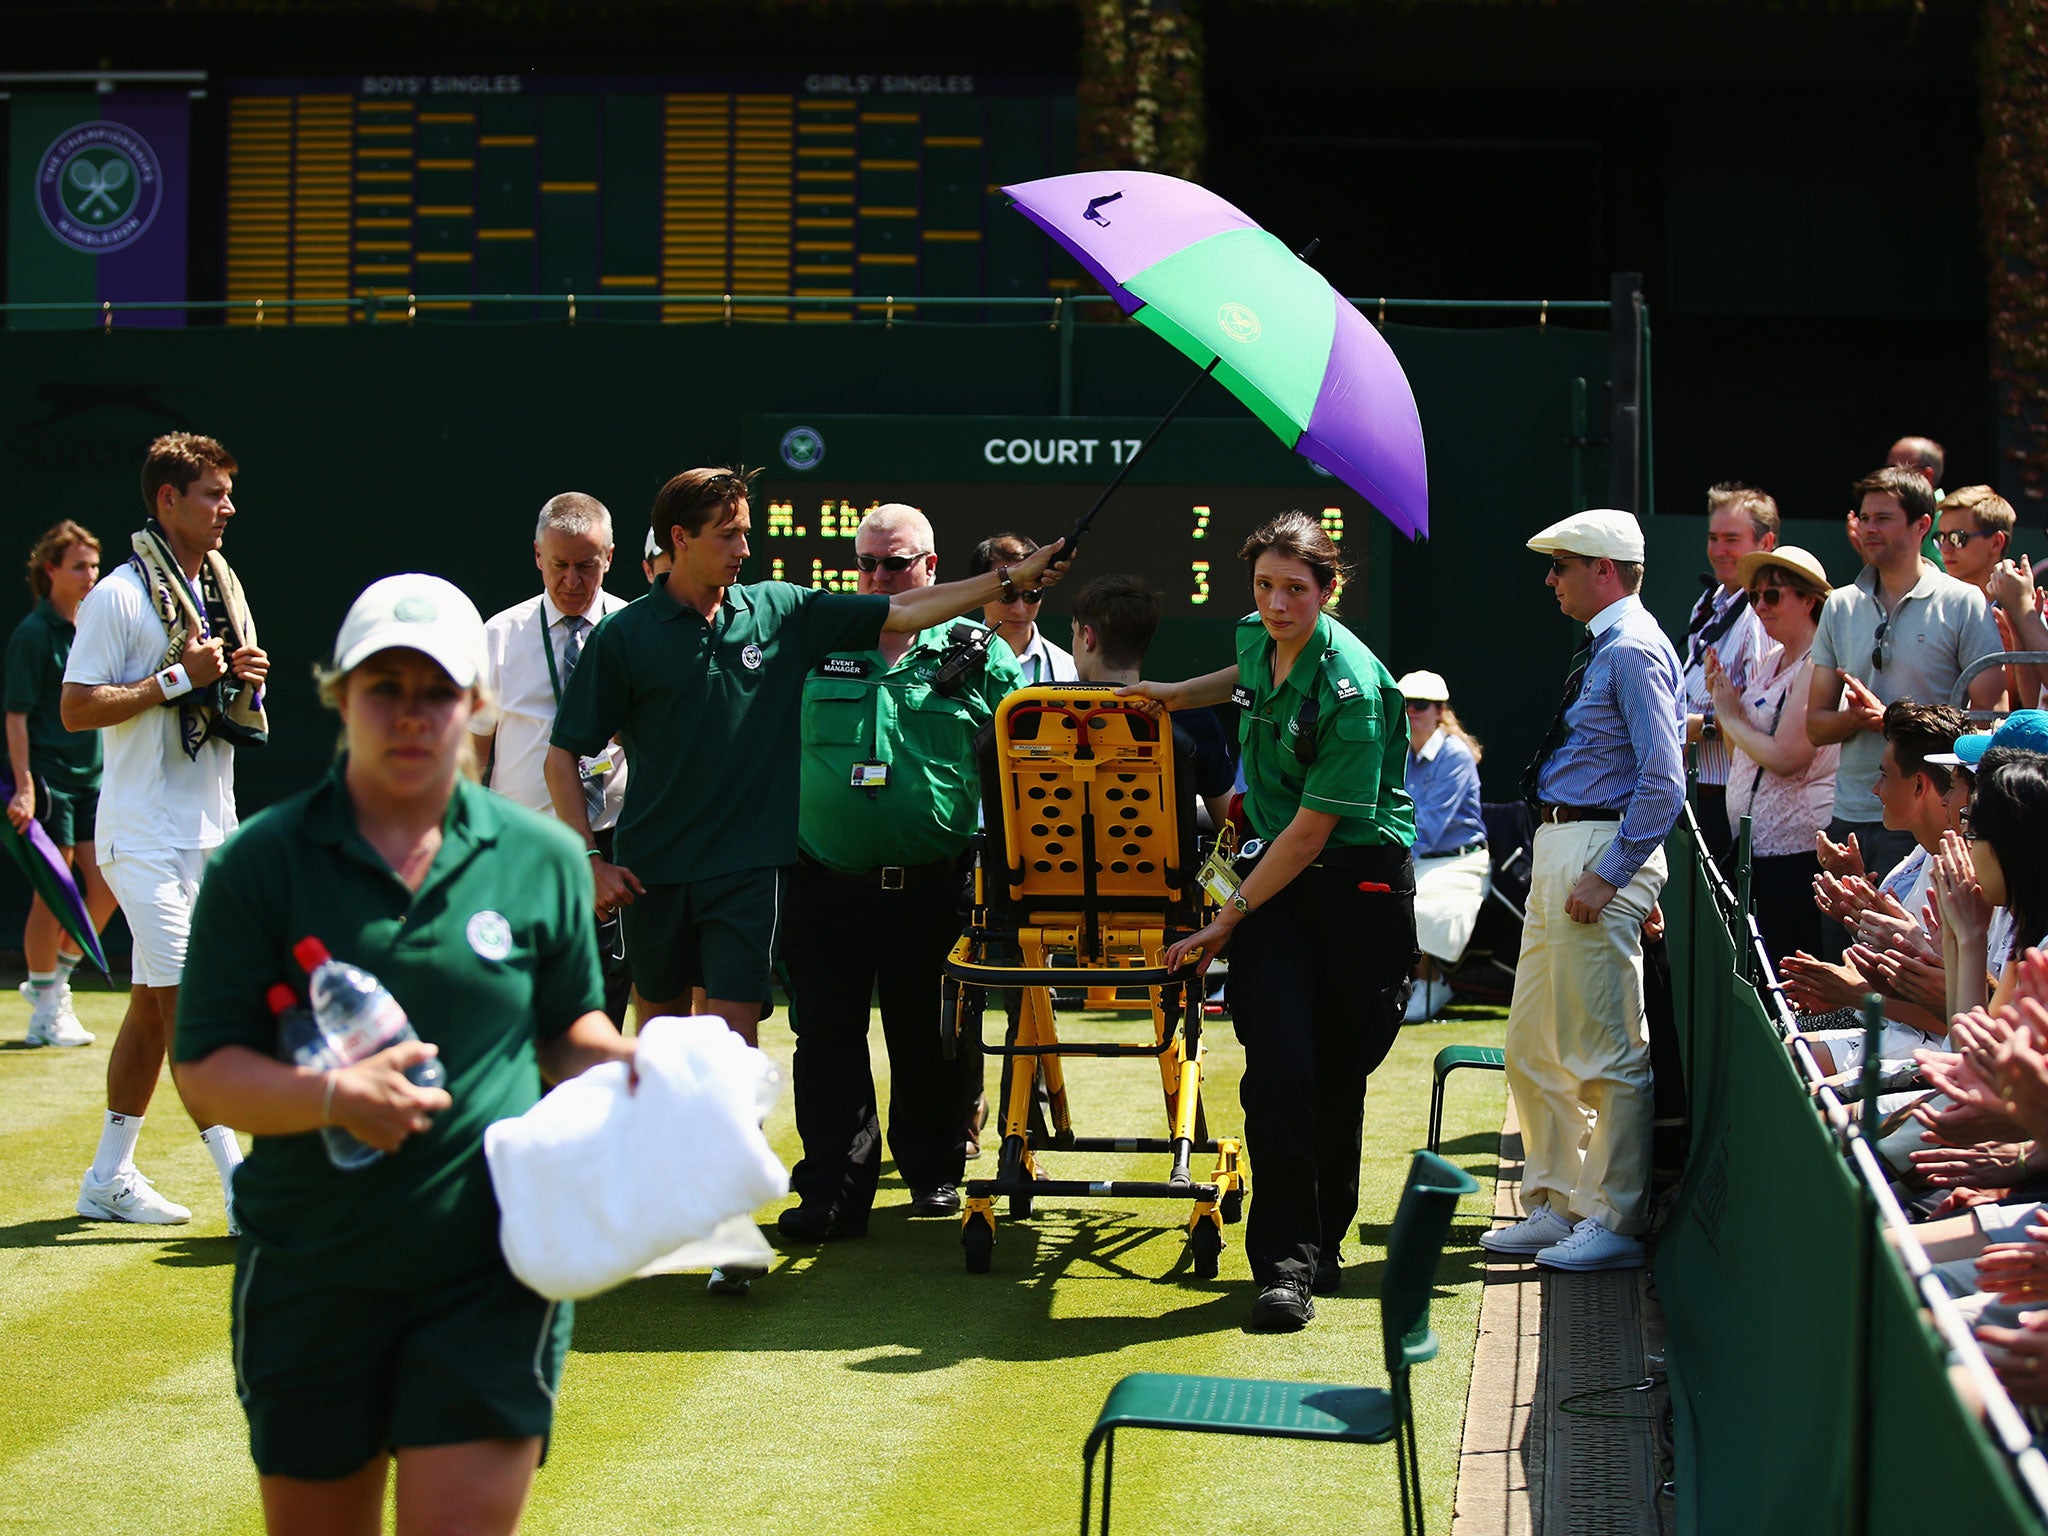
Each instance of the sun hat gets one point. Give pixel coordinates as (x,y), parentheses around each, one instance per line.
(1792,558)
(1602,534)
(419,613)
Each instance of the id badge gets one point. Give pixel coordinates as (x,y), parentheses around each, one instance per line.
(1217,876)
(593,771)
(870,776)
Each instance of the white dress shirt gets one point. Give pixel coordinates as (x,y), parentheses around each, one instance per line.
(518,679)
(1044,662)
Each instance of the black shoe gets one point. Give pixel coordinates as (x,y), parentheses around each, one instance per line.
(1329,1278)
(940,1200)
(1281,1308)
(817,1222)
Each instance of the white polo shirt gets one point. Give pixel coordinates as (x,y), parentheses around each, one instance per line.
(152,796)
(518,678)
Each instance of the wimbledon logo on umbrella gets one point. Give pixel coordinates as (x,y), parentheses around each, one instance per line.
(1239,323)
(98,187)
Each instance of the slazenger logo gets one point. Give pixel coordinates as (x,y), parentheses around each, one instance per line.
(1239,323)
(98,187)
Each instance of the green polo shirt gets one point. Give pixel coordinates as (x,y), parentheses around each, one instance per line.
(36,654)
(859,710)
(708,715)
(496,952)
(1361,737)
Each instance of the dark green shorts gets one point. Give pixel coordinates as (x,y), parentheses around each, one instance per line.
(71,816)
(331,1376)
(716,934)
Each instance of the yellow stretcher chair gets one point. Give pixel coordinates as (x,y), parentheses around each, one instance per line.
(1088,872)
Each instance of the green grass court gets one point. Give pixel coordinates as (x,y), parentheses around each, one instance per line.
(871,1386)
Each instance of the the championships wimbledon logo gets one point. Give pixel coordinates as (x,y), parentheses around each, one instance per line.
(1239,323)
(98,187)
(803,448)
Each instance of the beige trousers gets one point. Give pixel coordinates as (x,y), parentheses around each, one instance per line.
(1578,1044)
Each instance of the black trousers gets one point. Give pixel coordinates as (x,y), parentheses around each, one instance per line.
(1318,983)
(1710,805)
(1781,894)
(611,948)
(845,941)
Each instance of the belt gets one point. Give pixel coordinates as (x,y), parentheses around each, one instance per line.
(1554,815)
(888,877)
(1478,845)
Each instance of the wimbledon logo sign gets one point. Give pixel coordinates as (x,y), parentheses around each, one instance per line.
(98,187)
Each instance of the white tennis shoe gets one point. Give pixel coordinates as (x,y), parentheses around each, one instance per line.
(51,1019)
(127,1196)
(1591,1246)
(1541,1229)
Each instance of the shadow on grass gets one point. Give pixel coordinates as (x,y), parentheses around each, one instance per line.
(77,1232)
(904,1291)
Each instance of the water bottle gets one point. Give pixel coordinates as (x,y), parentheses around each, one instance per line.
(357,1017)
(300,1042)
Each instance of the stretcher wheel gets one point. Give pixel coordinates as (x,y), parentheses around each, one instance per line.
(978,1238)
(1231,1206)
(1020,1207)
(1205,1242)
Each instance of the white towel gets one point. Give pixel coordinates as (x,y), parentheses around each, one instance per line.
(596,1185)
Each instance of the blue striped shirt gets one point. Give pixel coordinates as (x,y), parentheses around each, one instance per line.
(1443,781)
(1624,740)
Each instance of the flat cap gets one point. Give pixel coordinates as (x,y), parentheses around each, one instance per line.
(1601,534)
(1424,688)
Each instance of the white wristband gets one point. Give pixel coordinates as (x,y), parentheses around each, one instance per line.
(174,681)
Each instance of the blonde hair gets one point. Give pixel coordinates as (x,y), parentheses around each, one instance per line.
(332,683)
(1455,727)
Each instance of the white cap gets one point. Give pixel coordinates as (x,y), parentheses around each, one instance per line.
(1601,534)
(418,613)
(652,548)
(1424,688)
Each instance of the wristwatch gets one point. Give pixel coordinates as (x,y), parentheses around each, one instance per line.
(1009,587)
(1238,902)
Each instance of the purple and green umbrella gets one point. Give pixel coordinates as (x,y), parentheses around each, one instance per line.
(1184,263)
(48,875)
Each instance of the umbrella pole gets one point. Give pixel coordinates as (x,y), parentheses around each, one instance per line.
(1081,527)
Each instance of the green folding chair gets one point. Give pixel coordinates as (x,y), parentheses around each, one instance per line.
(1303,1410)
(1490,1058)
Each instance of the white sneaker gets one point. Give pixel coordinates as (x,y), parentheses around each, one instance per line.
(733,1280)
(1534,1233)
(51,1021)
(1426,999)
(1592,1246)
(127,1196)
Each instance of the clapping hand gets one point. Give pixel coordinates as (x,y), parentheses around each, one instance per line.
(1721,687)
(1815,986)
(1965,911)
(1990,1165)
(2017,1273)
(2020,1356)
(2012,585)
(1858,700)
(1845,897)
(1842,860)
(1904,975)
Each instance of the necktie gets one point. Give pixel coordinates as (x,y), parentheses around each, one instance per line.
(572,652)
(1554,737)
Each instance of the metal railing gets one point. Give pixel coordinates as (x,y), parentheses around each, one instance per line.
(1856,1134)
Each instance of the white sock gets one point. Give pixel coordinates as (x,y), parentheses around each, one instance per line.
(117,1145)
(227,1152)
(42,981)
(66,964)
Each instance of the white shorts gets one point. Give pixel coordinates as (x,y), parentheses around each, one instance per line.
(1449,891)
(157,891)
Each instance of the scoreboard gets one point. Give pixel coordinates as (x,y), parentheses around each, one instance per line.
(1179,521)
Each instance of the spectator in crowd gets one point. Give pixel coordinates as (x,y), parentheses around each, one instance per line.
(1901,630)
(374,1317)
(167,667)
(1452,868)
(1921,455)
(1014,616)
(1608,784)
(1723,627)
(1913,794)
(1977,526)
(62,766)
(532,649)
(1781,780)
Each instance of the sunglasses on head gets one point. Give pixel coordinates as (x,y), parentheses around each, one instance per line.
(893,564)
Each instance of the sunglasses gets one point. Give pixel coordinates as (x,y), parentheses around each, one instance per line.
(1963,825)
(1958,538)
(1417,706)
(893,564)
(1877,646)
(1559,564)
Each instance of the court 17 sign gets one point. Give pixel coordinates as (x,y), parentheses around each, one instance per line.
(98,187)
